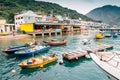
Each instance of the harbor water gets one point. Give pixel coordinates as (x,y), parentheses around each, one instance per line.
(82,69)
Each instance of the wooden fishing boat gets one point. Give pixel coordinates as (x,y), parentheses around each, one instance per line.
(109,63)
(99,36)
(14,49)
(55,42)
(32,50)
(38,62)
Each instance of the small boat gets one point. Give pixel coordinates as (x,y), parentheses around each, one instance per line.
(118,33)
(115,35)
(55,42)
(14,49)
(108,35)
(38,62)
(33,50)
(86,41)
(99,36)
(109,62)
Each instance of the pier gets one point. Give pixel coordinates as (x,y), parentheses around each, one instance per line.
(110,29)
(49,28)
(74,55)
(93,49)
(45,33)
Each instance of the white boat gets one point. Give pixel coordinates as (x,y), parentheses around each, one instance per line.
(107,35)
(86,41)
(109,62)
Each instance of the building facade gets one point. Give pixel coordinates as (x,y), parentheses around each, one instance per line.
(4,27)
(93,25)
(26,17)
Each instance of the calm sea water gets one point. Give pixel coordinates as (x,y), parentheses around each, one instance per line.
(83,69)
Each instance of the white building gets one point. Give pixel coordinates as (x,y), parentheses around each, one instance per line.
(4,27)
(95,25)
(26,17)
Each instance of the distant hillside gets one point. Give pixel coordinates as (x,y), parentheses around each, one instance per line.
(10,7)
(109,14)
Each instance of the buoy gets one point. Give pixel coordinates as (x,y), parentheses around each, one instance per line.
(61,61)
(13,71)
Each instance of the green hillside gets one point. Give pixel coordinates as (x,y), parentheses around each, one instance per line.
(10,7)
(108,14)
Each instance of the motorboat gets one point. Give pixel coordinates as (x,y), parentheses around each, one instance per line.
(11,50)
(99,36)
(38,61)
(109,62)
(33,50)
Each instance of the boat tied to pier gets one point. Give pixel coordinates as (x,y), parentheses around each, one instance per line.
(109,62)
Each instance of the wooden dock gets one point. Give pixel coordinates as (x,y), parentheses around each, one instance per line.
(98,48)
(74,55)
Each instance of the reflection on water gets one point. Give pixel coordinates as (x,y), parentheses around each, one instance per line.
(28,72)
(49,66)
(75,62)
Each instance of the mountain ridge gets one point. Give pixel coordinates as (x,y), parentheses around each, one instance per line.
(109,14)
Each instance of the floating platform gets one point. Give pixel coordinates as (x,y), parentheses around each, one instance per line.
(74,55)
(98,48)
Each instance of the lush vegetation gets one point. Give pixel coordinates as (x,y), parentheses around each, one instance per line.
(10,7)
(108,14)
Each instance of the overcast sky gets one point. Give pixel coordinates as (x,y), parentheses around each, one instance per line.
(84,6)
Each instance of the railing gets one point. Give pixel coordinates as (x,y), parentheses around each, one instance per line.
(48,30)
(112,58)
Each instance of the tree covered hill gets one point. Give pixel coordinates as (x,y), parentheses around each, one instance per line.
(108,14)
(10,7)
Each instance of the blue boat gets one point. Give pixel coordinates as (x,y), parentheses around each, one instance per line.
(115,35)
(33,50)
(14,49)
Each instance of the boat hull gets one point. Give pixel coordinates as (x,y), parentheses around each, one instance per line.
(55,43)
(39,64)
(99,36)
(109,75)
(14,49)
(107,35)
(111,72)
(31,52)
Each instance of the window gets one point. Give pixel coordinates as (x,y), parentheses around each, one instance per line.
(28,17)
(21,17)
(18,17)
